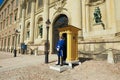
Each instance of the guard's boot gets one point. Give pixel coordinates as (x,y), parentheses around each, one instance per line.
(58,61)
(61,61)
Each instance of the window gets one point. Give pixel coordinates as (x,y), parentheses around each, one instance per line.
(91,1)
(0,27)
(13,38)
(2,43)
(11,19)
(29,6)
(2,15)
(8,9)
(8,41)
(7,22)
(19,39)
(5,43)
(28,31)
(5,13)
(41,30)
(28,34)
(3,24)
(12,4)
(40,27)
(16,2)
(15,18)
(40,3)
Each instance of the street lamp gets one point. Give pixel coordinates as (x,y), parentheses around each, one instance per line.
(15,51)
(47,43)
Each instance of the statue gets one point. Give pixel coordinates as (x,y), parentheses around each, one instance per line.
(41,30)
(97,15)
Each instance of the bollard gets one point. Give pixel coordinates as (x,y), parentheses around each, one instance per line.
(15,53)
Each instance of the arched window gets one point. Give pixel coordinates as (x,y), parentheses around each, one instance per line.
(15,17)
(2,43)
(7,21)
(17,2)
(28,31)
(13,40)
(93,1)
(29,6)
(8,41)
(11,19)
(61,21)
(40,27)
(5,43)
(40,3)
(19,39)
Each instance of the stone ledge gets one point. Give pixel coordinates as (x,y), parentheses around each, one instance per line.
(98,27)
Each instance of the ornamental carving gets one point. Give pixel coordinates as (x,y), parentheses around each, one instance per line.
(59,6)
(94,2)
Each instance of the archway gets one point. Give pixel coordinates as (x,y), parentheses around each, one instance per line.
(59,22)
(39,31)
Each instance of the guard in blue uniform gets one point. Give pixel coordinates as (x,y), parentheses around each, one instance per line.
(60,48)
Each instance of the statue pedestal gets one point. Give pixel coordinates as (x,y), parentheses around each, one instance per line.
(98,27)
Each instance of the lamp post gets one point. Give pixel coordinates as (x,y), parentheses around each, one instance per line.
(15,51)
(47,42)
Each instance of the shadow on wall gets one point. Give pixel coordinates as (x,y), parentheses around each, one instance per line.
(81,59)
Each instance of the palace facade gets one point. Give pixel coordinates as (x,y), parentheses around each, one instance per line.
(98,21)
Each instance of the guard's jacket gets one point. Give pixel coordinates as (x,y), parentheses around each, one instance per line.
(60,47)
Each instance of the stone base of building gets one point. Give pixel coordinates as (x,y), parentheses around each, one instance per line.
(59,68)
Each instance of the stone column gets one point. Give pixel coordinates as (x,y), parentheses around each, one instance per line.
(6,43)
(23,23)
(0,43)
(32,21)
(19,9)
(83,17)
(87,18)
(45,17)
(10,44)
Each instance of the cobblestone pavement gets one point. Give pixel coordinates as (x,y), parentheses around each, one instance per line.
(30,67)
(8,62)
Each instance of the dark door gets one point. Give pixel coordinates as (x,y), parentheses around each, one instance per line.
(60,21)
(65,50)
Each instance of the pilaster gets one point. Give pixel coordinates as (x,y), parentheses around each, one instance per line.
(83,17)
(19,9)
(87,18)
(111,14)
(45,17)
(32,22)
(23,24)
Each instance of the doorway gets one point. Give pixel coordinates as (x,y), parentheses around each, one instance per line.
(65,50)
(60,22)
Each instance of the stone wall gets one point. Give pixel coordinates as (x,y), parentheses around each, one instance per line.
(99,49)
